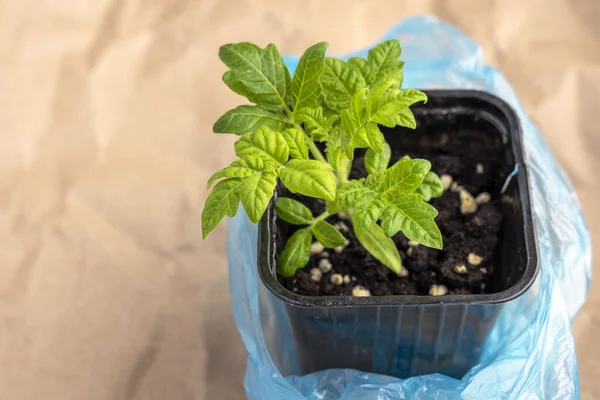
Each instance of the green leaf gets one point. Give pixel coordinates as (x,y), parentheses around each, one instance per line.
(348,195)
(406,118)
(246,119)
(349,124)
(375,106)
(328,235)
(309,177)
(335,153)
(358,108)
(263,143)
(360,139)
(409,214)
(228,172)
(383,59)
(255,163)
(405,176)
(393,103)
(349,152)
(378,162)
(293,211)
(364,67)
(394,73)
(431,187)
(353,120)
(374,181)
(305,85)
(316,125)
(296,253)
(296,142)
(327,112)
(374,96)
(340,81)
(367,211)
(288,85)
(375,137)
(255,193)
(222,201)
(330,121)
(243,168)
(381,247)
(258,74)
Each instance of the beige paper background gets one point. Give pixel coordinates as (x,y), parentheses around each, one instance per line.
(106,289)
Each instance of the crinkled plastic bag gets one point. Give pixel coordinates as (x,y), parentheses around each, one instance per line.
(530,353)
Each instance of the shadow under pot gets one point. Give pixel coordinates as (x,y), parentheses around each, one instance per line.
(489,258)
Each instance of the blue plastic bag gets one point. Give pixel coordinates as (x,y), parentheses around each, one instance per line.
(530,353)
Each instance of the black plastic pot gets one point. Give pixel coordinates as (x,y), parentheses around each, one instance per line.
(404,336)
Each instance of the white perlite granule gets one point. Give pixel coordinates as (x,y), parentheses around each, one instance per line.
(337,279)
(316,248)
(467,203)
(316,274)
(483,198)
(474,259)
(359,291)
(461,269)
(341,248)
(325,265)
(342,227)
(438,290)
(446,181)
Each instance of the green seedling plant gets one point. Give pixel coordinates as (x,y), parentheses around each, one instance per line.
(342,105)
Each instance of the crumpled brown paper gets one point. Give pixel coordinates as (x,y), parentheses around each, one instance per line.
(107,290)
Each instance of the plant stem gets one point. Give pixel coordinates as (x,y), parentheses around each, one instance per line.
(348,169)
(315,150)
(321,217)
(349,212)
(342,173)
(288,111)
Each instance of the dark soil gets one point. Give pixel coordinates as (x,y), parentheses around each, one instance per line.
(463,234)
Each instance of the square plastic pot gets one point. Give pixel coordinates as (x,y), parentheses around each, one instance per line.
(405,336)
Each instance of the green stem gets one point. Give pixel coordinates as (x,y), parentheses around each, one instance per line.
(349,212)
(321,217)
(342,172)
(348,168)
(288,111)
(314,150)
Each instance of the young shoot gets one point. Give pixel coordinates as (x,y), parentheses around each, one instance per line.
(342,105)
